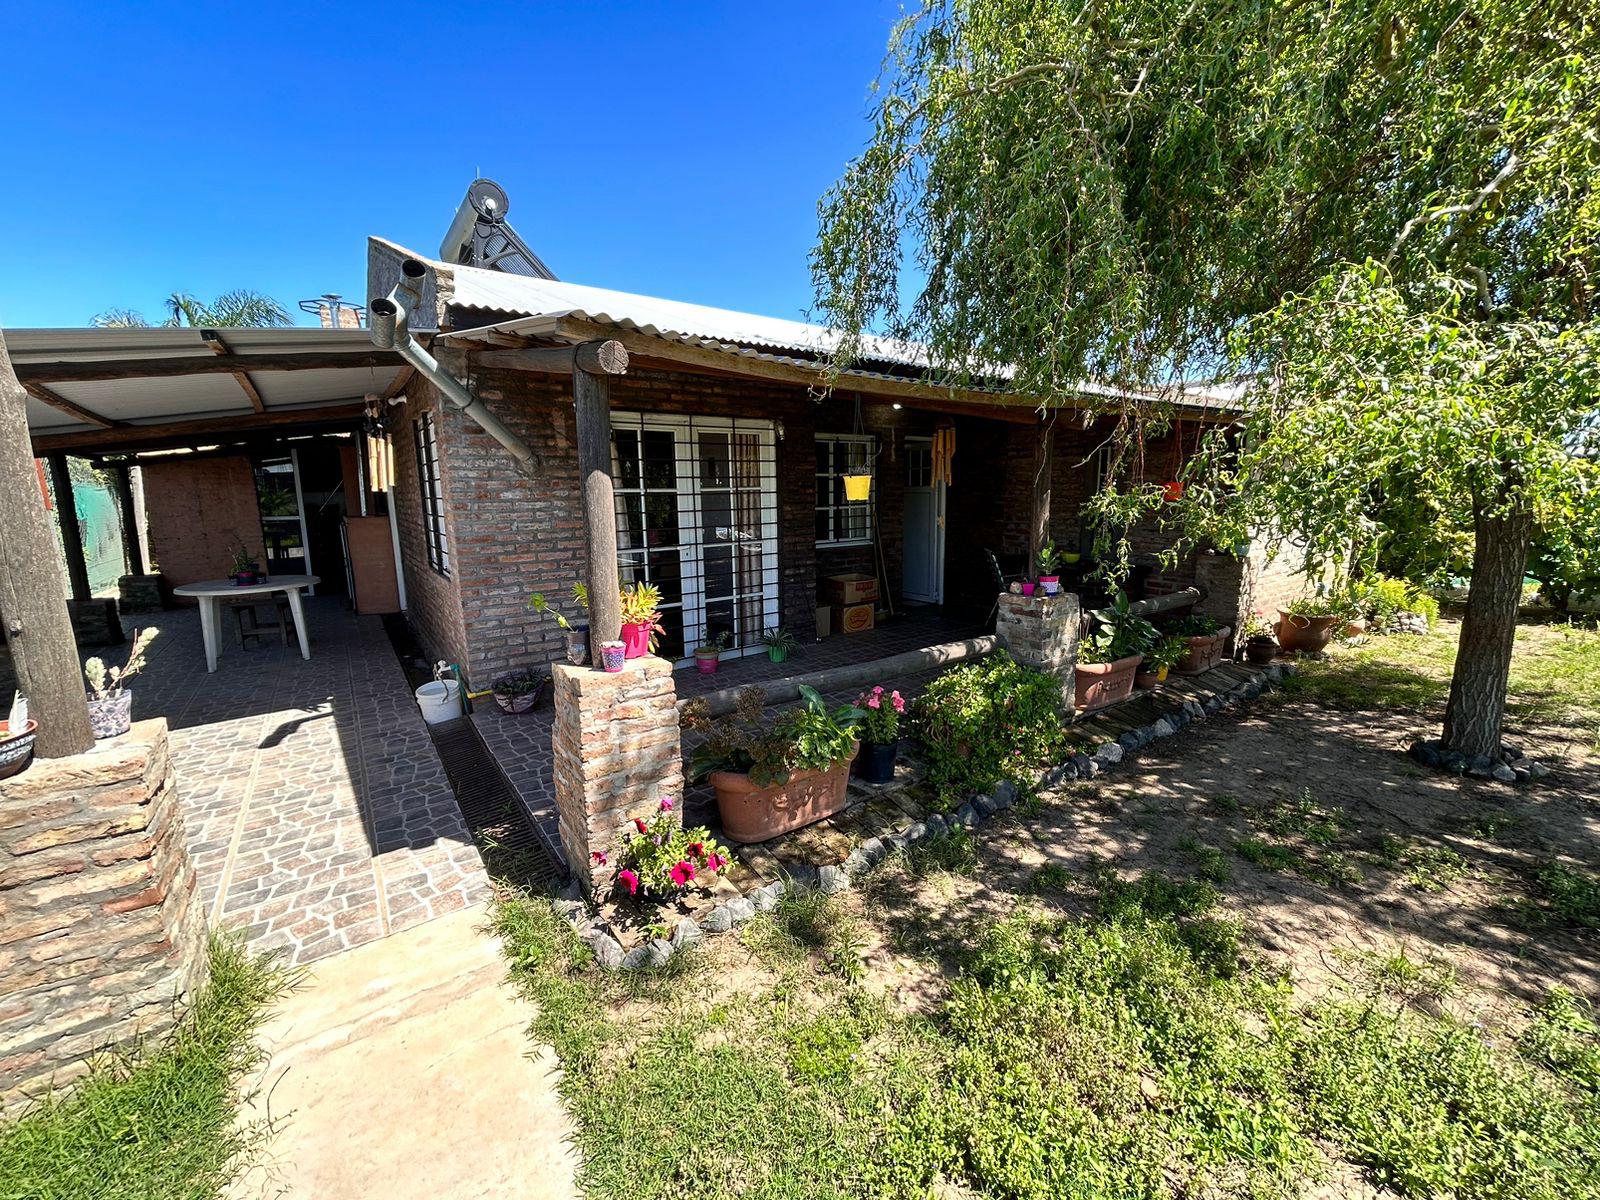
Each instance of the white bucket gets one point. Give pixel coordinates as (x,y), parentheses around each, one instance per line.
(440,701)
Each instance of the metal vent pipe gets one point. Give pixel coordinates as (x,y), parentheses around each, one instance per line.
(387,321)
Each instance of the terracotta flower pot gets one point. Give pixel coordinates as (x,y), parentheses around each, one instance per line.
(1261,650)
(1306,633)
(1150,679)
(1203,653)
(1099,684)
(1355,628)
(755,814)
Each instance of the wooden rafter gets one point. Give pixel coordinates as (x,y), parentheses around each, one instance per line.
(247,385)
(125,437)
(401,379)
(57,401)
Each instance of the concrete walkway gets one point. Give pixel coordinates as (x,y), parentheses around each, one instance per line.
(402,1069)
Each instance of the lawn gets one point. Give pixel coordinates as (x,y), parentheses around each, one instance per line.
(1269,957)
(157,1121)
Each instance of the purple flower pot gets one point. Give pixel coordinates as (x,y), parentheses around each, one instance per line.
(613,655)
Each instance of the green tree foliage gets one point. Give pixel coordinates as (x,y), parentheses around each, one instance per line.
(238,309)
(1131,193)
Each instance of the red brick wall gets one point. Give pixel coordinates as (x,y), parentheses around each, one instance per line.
(196,510)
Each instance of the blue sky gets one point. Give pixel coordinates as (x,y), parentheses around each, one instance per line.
(670,149)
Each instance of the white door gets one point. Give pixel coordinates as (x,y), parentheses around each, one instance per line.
(923,556)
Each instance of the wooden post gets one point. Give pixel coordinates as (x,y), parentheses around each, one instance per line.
(591,398)
(33,597)
(1039,521)
(131,549)
(71,533)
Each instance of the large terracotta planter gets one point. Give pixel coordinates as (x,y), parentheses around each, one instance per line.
(1203,653)
(755,814)
(1100,684)
(1306,633)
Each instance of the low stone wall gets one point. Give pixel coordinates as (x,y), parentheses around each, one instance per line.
(101,928)
(618,752)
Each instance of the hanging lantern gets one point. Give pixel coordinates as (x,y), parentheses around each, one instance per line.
(857,484)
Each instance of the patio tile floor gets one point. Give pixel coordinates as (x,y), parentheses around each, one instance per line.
(316,812)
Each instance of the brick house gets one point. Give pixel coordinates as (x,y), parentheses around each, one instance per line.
(725,462)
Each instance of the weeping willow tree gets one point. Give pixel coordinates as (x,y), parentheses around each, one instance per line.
(1384,216)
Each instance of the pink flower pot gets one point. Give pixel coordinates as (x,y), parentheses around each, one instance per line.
(706,664)
(613,655)
(636,639)
(1027,589)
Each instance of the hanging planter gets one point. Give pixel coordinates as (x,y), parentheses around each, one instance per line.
(857,486)
(1172,491)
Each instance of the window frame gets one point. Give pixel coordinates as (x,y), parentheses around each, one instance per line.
(430,490)
(832,474)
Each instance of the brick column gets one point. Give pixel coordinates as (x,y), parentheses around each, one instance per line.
(617,753)
(1042,632)
(100,921)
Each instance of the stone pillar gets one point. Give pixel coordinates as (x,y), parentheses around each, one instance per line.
(1042,632)
(618,751)
(101,927)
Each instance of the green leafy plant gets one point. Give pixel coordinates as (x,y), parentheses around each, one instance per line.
(1258,628)
(780,639)
(1165,652)
(1195,625)
(882,710)
(986,721)
(544,608)
(1326,604)
(519,683)
(1118,635)
(641,605)
(662,858)
(808,738)
(1049,559)
(715,644)
(106,683)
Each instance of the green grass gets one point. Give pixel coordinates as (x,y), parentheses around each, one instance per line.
(1131,1053)
(157,1121)
(1564,895)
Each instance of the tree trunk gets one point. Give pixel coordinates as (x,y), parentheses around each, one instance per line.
(33,592)
(1483,657)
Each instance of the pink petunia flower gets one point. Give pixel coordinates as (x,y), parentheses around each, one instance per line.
(683,873)
(666,804)
(630,881)
(874,702)
(698,849)
(599,857)
(899,702)
(715,861)
(638,823)
(878,691)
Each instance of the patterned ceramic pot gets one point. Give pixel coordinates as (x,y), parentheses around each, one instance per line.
(16,752)
(613,655)
(111,716)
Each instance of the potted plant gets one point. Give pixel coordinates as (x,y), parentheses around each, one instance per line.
(1205,641)
(17,735)
(1159,659)
(245,571)
(709,653)
(577,637)
(641,619)
(660,859)
(1260,647)
(110,699)
(880,734)
(774,776)
(1109,656)
(518,691)
(1308,624)
(779,642)
(1049,562)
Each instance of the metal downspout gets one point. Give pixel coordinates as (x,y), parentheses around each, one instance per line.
(388,319)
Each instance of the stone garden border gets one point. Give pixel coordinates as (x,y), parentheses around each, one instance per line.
(608,951)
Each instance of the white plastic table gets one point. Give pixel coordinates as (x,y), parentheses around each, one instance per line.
(211,592)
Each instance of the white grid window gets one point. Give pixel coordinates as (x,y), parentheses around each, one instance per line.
(841,522)
(431,486)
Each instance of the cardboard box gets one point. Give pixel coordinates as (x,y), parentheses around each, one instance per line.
(852,588)
(824,620)
(853,618)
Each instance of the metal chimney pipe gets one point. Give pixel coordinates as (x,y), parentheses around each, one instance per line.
(387,321)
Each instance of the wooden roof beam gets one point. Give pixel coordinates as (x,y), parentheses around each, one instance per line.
(247,385)
(57,401)
(193,364)
(126,437)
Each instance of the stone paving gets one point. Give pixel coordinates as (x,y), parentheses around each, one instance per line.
(521,743)
(316,812)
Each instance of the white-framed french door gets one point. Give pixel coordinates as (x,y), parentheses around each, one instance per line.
(697,516)
(922,552)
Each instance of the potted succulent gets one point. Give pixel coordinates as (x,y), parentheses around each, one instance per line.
(1109,656)
(1205,642)
(577,637)
(660,859)
(1049,563)
(1309,623)
(518,691)
(641,619)
(779,642)
(773,776)
(17,735)
(1260,647)
(110,699)
(880,734)
(709,653)
(1160,659)
(245,571)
